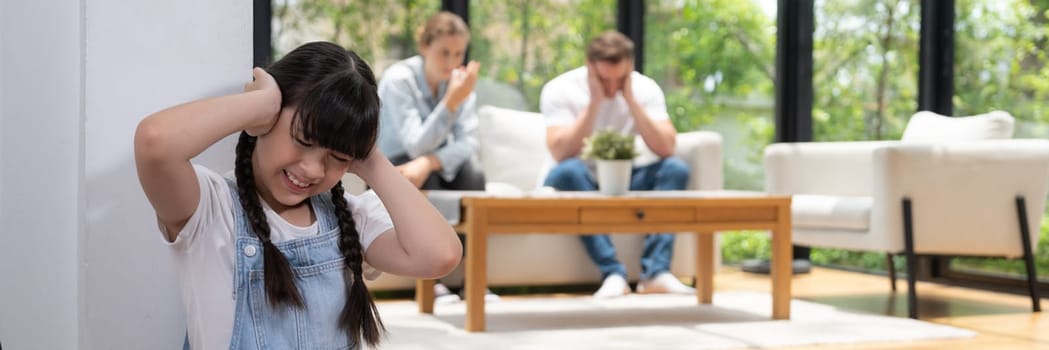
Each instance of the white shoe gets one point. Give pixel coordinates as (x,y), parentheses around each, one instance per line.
(613,286)
(441,295)
(489,296)
(664,283)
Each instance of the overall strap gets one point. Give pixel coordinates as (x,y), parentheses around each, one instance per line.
(325,211)
(240,219)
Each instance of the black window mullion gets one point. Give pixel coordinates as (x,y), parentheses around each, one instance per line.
(630,20)
(936,57)
(461,8)
(794,26)
(262,32)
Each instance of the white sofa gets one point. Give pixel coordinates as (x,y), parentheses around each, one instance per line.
(514,156)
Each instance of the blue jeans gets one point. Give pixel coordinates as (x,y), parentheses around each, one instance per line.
(668,174)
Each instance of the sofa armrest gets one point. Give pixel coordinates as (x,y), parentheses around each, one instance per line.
(827,168)
(701,150)
(963,194)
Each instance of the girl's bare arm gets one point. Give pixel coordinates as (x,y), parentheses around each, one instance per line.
(166,141)
(421,244)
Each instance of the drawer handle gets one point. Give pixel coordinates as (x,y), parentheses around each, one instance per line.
(640,214)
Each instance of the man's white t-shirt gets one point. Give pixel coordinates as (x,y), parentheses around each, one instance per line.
(566,96)
(204,254)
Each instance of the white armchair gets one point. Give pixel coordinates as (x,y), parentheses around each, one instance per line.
(951,186)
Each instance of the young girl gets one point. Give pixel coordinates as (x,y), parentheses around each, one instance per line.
(272,259)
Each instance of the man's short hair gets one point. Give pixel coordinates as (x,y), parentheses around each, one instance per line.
(610,46)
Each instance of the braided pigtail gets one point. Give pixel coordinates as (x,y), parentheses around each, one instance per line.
(359,316)
(278,276)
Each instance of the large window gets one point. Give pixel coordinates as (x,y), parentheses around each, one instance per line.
(715,60)
(1000,63)
(522,44)
(865,68)
(380,31)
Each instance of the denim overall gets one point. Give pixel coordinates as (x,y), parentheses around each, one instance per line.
(318,264)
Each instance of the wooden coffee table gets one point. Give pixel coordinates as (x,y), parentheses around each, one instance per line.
(704,213)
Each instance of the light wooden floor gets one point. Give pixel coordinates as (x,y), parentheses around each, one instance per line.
(1004,321)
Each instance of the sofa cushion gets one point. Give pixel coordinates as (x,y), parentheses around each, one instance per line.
(929,127)
(831,212)
(513,146)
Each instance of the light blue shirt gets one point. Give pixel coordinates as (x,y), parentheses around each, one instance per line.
(415,123)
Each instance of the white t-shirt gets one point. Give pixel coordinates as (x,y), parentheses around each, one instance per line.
(566,96)
(204,254)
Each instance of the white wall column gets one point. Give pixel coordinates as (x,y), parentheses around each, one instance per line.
(82,264)
(40,162)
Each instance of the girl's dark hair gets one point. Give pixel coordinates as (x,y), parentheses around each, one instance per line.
(337,108)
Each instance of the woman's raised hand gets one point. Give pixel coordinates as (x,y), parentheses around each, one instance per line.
(461,84)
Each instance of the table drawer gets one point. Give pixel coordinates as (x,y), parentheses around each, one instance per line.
(749,214)
(636,215)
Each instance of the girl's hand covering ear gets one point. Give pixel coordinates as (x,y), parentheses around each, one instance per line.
(264,83)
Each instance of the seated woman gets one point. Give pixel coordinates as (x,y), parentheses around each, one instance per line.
(428,120)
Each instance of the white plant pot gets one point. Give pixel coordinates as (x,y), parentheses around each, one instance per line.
(613,176)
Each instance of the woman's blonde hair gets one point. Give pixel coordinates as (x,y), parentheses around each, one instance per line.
(441,24)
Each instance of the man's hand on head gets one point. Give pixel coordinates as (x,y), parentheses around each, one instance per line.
(628,88)
(593,82)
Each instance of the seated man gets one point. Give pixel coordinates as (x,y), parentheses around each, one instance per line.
(608,94)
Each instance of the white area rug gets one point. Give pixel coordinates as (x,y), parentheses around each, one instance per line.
(735,320)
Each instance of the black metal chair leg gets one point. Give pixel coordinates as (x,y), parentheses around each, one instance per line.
(1025,238)
(908,247)
(891,267)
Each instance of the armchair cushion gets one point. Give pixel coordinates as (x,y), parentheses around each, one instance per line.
(511,153)
(929,127)
(818,211)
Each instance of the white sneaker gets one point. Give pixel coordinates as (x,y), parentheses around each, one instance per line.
(613,286)
(489,296)
(664,283)
(441,295)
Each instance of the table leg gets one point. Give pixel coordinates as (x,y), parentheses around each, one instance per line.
(476,278)
(782,259)
(424,295)
(705,267)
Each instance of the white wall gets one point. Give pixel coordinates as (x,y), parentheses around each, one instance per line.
(39,154)
(2,21)
(82,265)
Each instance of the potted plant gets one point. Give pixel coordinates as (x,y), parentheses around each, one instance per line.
(614,154)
